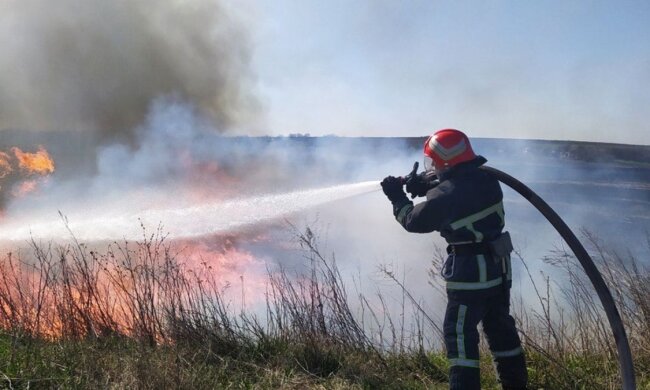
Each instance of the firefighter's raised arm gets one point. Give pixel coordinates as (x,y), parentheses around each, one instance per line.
(425,217)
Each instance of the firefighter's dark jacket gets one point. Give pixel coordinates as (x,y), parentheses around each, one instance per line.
(466,207)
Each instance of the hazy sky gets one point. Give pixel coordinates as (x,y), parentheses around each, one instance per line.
(546,69)
(526,69)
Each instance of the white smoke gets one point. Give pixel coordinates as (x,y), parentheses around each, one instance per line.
(179,172)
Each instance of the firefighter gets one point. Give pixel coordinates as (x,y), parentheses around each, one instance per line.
(465,204)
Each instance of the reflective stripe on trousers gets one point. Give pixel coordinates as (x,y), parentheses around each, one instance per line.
(464,313)
(460,342)
(510,353)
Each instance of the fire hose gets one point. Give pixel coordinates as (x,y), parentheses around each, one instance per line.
(622,345)
(616,324)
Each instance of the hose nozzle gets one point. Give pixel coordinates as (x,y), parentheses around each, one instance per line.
(411,175)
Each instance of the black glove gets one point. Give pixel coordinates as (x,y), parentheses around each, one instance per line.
(392,187)
(419,185)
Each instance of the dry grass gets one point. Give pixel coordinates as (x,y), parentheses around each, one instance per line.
(133,316)
(569,332)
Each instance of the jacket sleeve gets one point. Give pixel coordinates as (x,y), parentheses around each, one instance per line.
(424,217)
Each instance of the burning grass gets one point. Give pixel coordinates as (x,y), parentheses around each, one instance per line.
(134,316)
(21,172)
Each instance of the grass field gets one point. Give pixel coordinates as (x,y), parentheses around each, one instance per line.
(135,317)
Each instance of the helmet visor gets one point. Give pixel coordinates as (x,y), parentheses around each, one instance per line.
(428,164)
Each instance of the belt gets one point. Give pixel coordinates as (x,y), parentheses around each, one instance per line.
(477,248)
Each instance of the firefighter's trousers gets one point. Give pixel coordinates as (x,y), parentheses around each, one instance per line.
(464,312)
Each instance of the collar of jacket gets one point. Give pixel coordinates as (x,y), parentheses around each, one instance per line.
(462,167)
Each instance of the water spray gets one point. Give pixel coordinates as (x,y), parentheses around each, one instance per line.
(216,217)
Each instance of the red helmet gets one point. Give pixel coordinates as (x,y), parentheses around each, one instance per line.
(447,148)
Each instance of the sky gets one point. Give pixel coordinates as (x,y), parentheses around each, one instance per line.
(577,70)
(552,69)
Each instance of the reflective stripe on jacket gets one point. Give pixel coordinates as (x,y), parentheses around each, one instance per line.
(466,207)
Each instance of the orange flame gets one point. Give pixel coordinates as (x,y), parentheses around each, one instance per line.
(17,171)
(5,165)
(34,163)
(103,294)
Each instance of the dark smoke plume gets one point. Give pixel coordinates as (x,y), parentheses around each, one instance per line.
(96,65)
